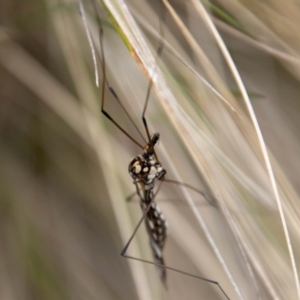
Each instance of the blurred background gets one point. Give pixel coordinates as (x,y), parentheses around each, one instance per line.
(63,175)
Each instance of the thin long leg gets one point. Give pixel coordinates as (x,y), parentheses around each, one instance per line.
(177,202)
(179,271)
(158,54)
(211,202)
(140,222)
(123,252)
(112,91)
(192,188)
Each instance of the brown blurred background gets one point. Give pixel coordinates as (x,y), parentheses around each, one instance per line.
(63,167)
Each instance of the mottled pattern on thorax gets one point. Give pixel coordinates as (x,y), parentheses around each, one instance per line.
(145,168)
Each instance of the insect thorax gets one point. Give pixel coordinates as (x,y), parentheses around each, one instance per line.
(145,169)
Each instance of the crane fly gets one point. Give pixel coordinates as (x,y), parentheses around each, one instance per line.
(146,170)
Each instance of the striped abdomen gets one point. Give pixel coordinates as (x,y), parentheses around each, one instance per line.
(157,229)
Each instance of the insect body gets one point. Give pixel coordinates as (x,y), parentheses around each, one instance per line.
(144,170)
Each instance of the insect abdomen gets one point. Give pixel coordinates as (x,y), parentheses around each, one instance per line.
(157,229)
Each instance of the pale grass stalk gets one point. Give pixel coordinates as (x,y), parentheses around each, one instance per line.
(201,10)
(173,51)
(273,26)
(208,66)
(90,41)
(291,219)
(174,114)
(256,26)
(256,44)
(255,262)
(241,244)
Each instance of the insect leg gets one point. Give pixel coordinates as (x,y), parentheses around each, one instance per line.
(105,83)
(210,201)
(123,252)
